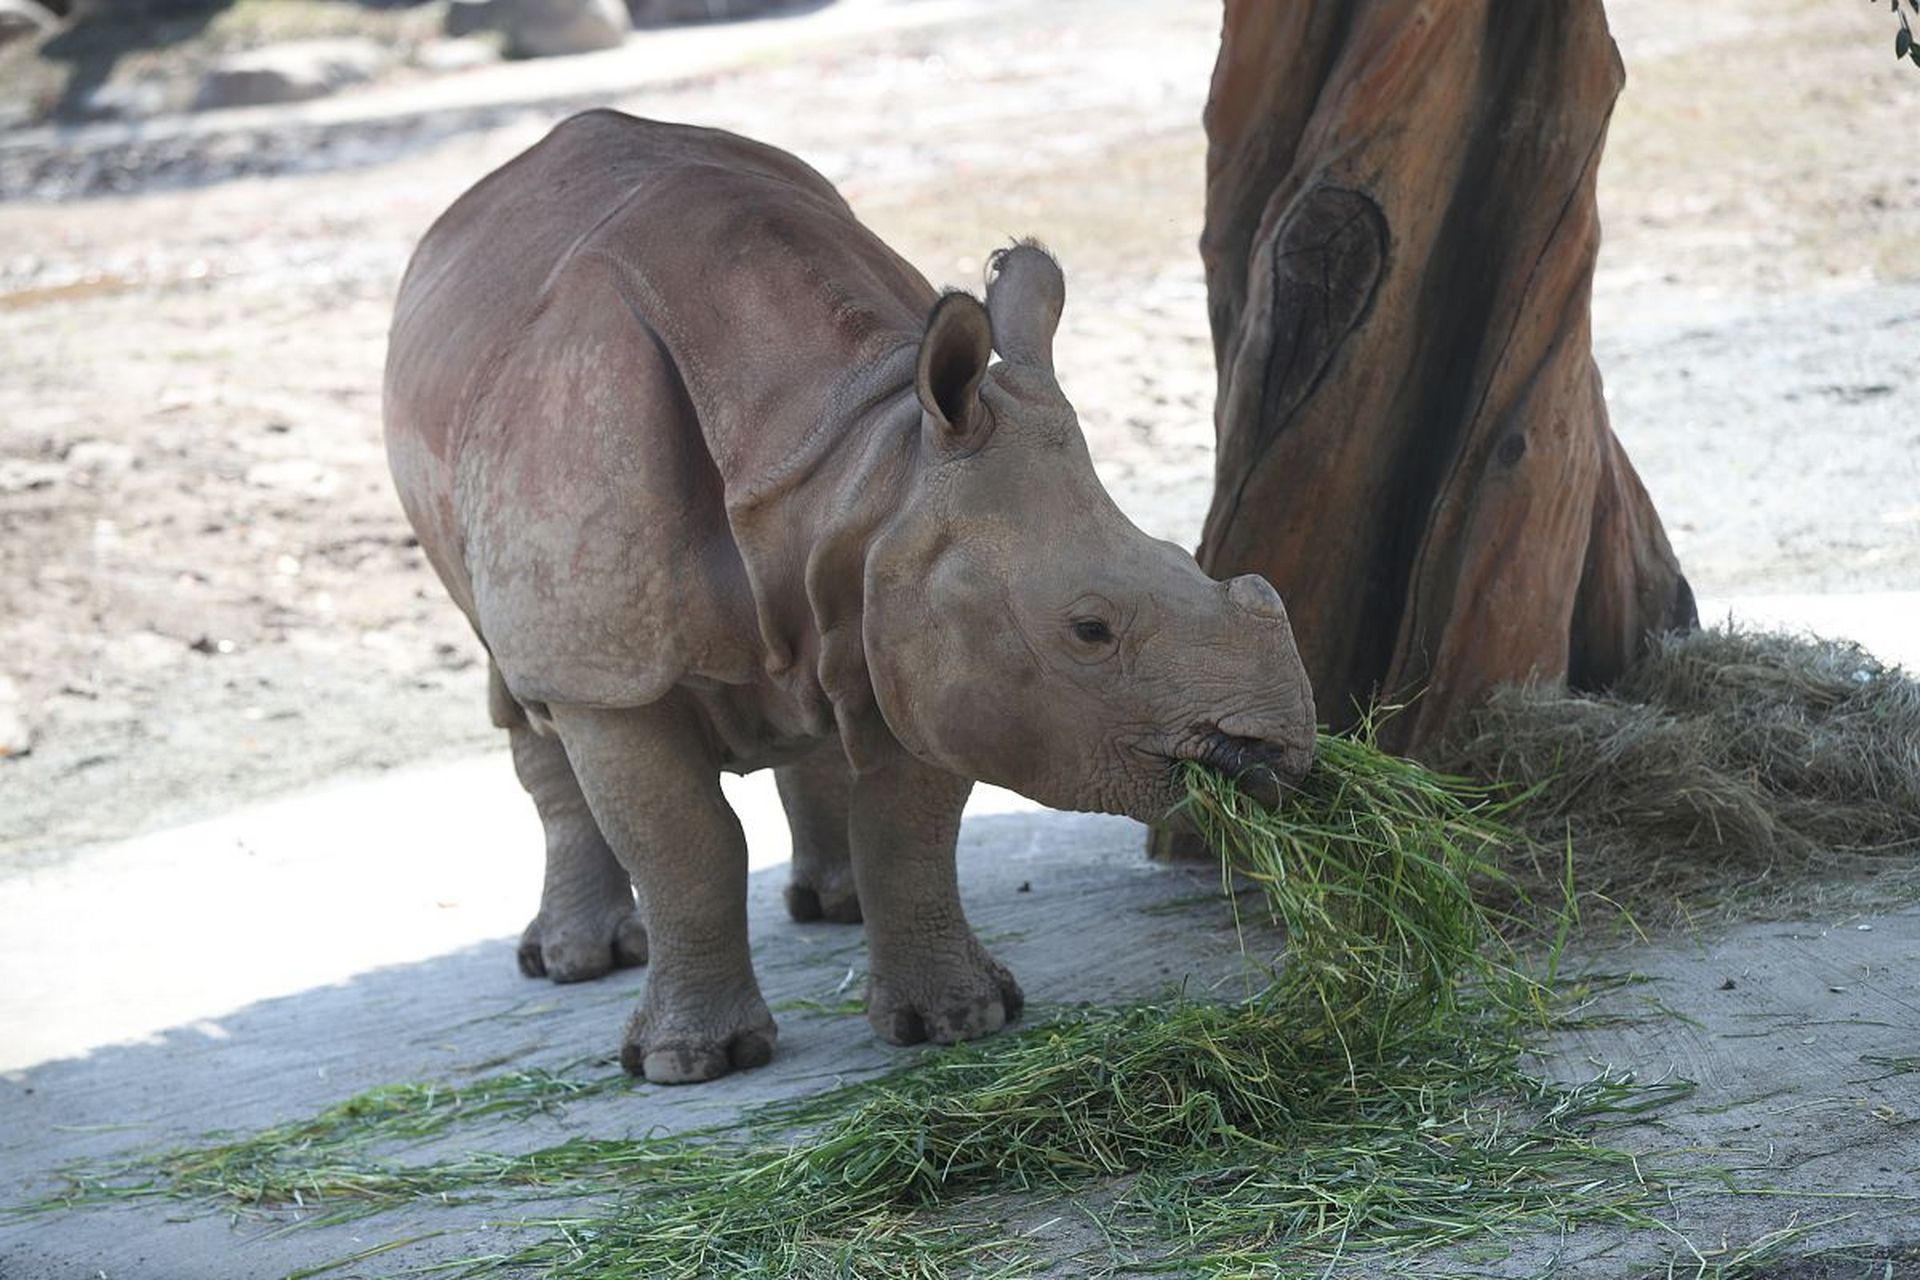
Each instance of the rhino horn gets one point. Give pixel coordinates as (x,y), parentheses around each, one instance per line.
(1025,294)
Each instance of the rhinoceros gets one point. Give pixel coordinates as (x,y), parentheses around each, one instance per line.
(722,483)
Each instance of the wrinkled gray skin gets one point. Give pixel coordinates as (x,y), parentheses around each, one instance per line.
(723,484)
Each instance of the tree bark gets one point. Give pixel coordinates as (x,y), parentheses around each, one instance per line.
(1413,443)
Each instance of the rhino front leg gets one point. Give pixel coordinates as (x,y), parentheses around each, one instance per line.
(816,792)
(928,976)
(587,924)
(653,783)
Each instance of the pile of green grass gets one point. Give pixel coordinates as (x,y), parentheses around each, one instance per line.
(1372,1097)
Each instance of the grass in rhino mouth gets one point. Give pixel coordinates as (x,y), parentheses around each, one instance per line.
(1374,1102)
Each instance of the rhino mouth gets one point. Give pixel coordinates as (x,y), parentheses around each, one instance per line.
(1265,770)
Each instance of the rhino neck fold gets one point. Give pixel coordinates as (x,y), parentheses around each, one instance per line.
(804,528)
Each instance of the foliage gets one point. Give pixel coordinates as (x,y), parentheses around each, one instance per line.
(1905,43)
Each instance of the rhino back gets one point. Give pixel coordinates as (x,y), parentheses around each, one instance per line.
(598,350)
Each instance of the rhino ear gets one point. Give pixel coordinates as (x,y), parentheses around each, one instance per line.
(1025,294)
(953,358)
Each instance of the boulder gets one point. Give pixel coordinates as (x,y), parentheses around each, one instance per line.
(291,72)
(666,13)
(543,28)
(24,20)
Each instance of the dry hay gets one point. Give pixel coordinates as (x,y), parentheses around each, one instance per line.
(1728,769)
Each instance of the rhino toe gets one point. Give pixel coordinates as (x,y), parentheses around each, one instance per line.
(807,903)
(586,950)
(689,1055)
(945,1007)
(694,1063)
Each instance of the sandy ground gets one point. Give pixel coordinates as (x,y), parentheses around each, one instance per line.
(207,595)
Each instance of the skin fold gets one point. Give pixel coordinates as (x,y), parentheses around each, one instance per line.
(723,484)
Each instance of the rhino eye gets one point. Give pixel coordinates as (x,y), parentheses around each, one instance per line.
(1092,631)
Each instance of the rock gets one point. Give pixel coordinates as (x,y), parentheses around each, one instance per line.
(543,28)
(461,54)
(121,10)
(24,19)
(292,72)
(666,13)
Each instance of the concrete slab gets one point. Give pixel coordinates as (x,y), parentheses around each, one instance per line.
(1803,1039)
(1805,1065)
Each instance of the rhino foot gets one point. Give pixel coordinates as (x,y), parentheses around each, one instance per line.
(830,897)
(697,1045)
(944,1002)
(815,793)
(576,950)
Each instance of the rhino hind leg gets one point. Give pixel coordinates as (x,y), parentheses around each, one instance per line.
(815,791)
(929,978)
(652,781)
(588,925)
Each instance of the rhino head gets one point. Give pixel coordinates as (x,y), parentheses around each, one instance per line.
(1020,630)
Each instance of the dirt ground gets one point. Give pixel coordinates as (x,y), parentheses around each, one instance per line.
(206,589)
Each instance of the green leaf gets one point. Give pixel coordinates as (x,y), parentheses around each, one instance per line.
(1902,43)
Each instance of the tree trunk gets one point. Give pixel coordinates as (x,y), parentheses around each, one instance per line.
(1413,443)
